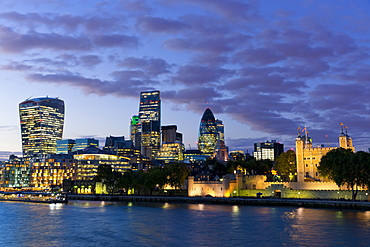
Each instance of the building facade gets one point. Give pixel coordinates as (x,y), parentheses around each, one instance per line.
(42,121)
(267,150)
(208,133)
(150,123)
(308,157)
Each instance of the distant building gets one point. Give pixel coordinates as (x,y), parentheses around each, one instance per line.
(42,121)
(208,133)
(150,123)
(172,148)
(65,146)
(135,131)
(308,157)
(267,150)
(83,143)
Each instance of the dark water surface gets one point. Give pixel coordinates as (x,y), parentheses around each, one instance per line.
(84,223)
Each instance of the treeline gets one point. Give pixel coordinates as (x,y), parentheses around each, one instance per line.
(143,181)
(347,168)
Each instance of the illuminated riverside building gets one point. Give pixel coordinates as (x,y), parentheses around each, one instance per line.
(308,157)
(150,123)
(15,172)
(52,170)
(267,150)
(42,121)
(87,164)
(208,133)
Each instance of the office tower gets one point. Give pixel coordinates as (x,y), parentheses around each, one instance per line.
(150,123)
(220,130)
(172,148)
(135,131)
(208,133)
(65,146)
(83,143)
(42,121)
(267,150)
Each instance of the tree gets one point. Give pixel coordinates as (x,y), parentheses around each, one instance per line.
(345,167)
(176,174)
(286,165)
(108,177)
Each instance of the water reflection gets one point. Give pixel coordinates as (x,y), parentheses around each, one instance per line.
(82,223)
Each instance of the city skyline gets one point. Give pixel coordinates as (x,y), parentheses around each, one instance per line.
(263,67)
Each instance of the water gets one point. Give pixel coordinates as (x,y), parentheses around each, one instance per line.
(82,223)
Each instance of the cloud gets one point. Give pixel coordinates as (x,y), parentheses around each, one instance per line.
(152,66)
(159,25)
(16,43)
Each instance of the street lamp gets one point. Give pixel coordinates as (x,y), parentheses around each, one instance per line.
(338,195)
(299,195)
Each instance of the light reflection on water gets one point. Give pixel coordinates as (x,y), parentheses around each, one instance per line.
(85,223)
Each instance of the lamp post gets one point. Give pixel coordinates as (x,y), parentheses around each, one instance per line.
(338,195)
(299,195)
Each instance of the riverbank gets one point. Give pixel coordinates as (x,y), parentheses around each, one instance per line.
(339,204)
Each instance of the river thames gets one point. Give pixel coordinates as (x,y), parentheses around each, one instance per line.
(91,223)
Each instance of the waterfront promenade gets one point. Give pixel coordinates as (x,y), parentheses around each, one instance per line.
(312,203)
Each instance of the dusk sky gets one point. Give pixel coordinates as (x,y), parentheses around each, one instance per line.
(263,67)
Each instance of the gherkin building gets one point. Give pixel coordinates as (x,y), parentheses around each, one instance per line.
(208,134)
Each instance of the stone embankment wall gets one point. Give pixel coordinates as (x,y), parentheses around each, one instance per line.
(230,201)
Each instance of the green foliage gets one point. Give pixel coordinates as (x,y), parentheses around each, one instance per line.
(286,165)
(108,177)
(250,167)
(347,168)
(176,174)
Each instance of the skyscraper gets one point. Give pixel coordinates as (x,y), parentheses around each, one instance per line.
(150,123)
(134,131)
(208,133)
(42,121)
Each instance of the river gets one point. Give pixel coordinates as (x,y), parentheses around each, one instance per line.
(91,223)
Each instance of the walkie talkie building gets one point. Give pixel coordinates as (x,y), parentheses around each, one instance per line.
(42,121)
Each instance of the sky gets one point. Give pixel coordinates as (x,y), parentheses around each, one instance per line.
(264,68)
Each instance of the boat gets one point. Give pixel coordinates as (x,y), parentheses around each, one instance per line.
(34,197)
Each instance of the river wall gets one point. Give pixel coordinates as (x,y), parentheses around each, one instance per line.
(339,204)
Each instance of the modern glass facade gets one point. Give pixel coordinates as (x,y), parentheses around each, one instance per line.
(42,121)
(65,146)
(150,123)
(208,133)
(84,143)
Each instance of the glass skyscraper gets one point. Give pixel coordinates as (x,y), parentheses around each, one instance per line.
(150,123)
(208,133)
(42,121)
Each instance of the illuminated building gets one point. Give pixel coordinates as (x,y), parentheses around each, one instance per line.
(65,146)
(135,131)
(83,143)
(172,149)
(150,123)
(220,130)
(52,170)
(15,172)
(42,122)
(208,133)
(308,157)
(221,152)
(87,164)
(267,150)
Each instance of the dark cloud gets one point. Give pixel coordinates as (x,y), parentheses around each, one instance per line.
(153,66)
(116,40)
(159,25)
(17,43)
(200,75)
